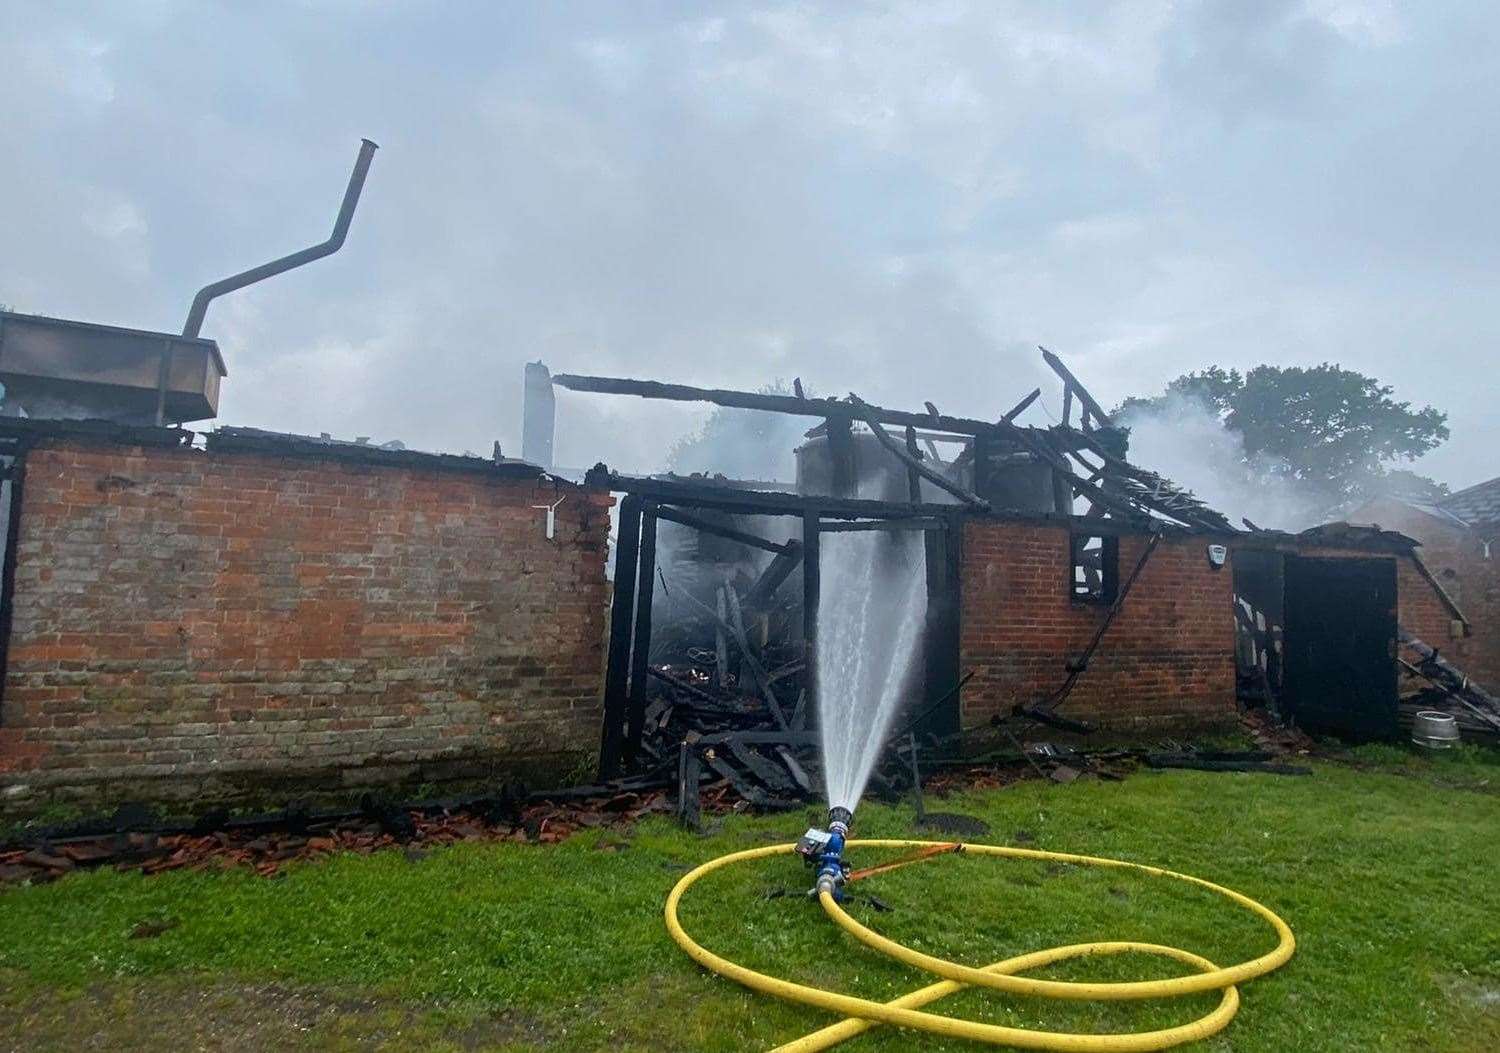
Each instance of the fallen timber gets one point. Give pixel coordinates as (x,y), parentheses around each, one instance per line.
(1450,691)
(725,657)
(913,462)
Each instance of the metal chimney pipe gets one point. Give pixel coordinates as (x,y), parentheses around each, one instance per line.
(296,259)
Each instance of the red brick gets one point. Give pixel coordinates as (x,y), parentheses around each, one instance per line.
(306,589)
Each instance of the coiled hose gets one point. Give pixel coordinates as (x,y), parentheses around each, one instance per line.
(863,1014)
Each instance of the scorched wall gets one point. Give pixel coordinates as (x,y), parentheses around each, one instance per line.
(207,623)
(1167,660)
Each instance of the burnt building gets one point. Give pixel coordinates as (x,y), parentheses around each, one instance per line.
(1460,538)
(240,612)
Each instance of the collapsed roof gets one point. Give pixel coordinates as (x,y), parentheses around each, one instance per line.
(1086,463)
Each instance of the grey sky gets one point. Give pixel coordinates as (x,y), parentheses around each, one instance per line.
(903,200)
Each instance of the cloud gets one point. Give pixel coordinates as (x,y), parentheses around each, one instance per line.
(899,199)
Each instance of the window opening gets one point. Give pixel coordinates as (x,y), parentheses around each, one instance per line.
(1094,571)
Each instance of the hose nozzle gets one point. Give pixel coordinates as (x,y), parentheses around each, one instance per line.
(832,870)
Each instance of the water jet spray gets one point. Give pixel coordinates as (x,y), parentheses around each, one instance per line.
(865,652)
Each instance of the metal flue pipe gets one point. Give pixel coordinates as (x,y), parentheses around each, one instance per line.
(313,252)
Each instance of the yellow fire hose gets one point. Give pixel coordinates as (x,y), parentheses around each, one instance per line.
(863,1014)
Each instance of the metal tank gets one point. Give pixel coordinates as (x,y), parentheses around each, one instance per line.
(1015,480)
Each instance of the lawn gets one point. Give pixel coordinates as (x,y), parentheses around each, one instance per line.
(1387,868)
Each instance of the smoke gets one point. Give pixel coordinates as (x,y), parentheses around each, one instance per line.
(739,444)
(1181,437)
(743,444)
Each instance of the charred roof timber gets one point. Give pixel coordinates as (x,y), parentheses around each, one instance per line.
(1002,467)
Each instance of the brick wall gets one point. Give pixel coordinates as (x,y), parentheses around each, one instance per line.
(1456,557)
(206,623)
(1167,660)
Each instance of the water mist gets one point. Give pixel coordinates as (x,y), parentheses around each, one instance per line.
(874,603)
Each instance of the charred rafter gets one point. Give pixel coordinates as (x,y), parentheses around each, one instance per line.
(1087,462)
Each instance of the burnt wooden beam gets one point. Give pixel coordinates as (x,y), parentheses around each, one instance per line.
(681,685)
(812,589)
(640,648)
(1457,678)
(730,623)
(941,482)
(806,407)
(799,774)
(841,456)
(721,637)
(1059,464)
(1084,398)
(617,667)
(799,711)
(689,774)
(759,738)
(773,775)
(914,523)
(913,479)
(690,494)
(1020,407)
(776,572)
(752,540)
(751,662)
(1141,485)
(774,503)
(983,453)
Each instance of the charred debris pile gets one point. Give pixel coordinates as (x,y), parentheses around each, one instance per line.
(717,584)
(1432,683)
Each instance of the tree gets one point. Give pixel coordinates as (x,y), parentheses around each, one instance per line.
(1323,426)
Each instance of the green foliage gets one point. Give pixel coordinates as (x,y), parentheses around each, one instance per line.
(1386,874)
(1324,426)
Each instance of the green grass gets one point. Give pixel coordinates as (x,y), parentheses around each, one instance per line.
(1387,870)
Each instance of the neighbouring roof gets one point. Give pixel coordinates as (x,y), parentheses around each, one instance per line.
(1476,505)
(1427,508)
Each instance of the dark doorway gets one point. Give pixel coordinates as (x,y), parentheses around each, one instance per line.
(1339,675)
